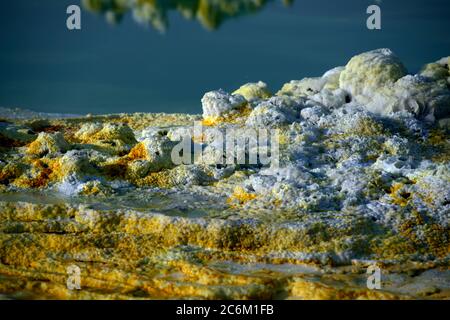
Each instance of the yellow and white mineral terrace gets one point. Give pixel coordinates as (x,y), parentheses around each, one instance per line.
(363,179)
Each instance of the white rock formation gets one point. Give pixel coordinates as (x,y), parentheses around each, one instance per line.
(368,72)
(218,103)
(254,91)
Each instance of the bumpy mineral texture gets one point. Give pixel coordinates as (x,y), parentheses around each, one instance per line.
(363,178)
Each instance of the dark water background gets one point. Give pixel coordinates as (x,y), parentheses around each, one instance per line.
(128,67)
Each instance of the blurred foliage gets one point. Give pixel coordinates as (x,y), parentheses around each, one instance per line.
(210,13)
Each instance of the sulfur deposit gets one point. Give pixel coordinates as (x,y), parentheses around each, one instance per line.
(363,179)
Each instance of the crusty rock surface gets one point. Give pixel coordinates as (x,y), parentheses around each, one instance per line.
(254,91)
(368,72)
(220,104)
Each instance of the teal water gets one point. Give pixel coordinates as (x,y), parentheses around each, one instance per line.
(131,66)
